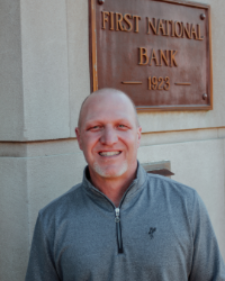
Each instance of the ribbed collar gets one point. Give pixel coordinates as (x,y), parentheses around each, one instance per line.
(136,185)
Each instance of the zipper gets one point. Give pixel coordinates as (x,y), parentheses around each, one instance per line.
(118,231)
(118,222)
(117,217)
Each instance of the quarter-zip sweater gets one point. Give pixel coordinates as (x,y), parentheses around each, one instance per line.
(161,231)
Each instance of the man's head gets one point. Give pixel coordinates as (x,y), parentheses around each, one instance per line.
(106,91)
(109,134)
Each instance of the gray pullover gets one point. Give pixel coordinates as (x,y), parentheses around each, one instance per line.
(160,232)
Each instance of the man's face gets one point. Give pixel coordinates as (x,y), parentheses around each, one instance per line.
(109,136)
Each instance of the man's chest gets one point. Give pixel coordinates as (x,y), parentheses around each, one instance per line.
(155,245)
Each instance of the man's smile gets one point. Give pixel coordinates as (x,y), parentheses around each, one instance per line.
(109,153)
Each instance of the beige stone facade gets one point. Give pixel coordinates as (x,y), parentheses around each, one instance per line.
(44,77)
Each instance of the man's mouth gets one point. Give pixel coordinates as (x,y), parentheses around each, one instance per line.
(109,153)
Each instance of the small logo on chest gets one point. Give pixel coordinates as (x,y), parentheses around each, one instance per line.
(151,232)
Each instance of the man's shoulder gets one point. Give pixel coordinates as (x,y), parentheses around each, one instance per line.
(175,195)
(163,184)
(63,203)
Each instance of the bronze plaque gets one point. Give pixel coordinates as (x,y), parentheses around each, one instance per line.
(158,52)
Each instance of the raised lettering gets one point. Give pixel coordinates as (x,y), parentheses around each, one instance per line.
(128,22)
(151,25)
(167,27)
(164,57)
(143,57)
(111,20)
(105,18)
(176,28)
(160,87)
(150,83)
(154,83)
(119,19)
(172,28)
(160,27)
(172,58)
(193,32)
(186,30)
(166,86)
(154,57)
(136,19)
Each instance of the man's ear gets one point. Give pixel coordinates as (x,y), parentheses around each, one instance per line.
(77,132)
(139,130)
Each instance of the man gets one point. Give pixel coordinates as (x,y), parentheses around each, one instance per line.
(121,223)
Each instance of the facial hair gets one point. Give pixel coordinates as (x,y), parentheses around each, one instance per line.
(101,171)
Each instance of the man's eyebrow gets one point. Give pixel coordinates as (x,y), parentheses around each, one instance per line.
(122,120)
(101,121)
(93,123)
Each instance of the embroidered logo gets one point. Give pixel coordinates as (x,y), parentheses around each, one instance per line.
(152,230)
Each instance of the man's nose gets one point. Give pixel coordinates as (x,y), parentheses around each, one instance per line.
(109,136)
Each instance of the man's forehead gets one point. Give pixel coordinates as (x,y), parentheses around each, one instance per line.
(100,102)
(105,96)
(104,115)
(111,96)
(111,107)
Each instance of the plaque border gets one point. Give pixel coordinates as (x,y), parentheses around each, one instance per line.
(94,68)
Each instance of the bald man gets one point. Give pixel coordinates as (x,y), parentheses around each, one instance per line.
(120,223)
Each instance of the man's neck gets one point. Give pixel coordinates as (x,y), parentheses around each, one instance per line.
(113,188)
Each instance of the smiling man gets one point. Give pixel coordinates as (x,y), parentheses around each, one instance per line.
(120,223)
(109,136)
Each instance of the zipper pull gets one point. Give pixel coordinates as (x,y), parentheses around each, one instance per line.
(118,231)
(117,219)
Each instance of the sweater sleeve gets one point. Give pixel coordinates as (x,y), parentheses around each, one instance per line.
(41,263)
(207,263)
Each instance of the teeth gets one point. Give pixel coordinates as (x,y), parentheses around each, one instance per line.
(111,153)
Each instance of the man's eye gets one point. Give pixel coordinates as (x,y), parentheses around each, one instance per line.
(121,126)
(95,127)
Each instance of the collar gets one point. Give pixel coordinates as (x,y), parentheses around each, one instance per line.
(136,186)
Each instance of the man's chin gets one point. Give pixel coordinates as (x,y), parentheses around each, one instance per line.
(111,171)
